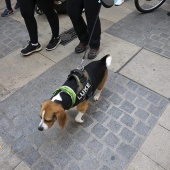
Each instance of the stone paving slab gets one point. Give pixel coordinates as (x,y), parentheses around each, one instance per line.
(150,70)
(114,129)
(150,31)
(161,136)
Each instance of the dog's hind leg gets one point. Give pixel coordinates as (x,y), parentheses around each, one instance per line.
(81,107)
(100,87)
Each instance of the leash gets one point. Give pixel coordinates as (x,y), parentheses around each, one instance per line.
(81,67)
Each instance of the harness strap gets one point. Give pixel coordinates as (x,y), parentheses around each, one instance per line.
(69,91)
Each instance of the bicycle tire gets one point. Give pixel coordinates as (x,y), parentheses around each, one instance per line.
(146,6)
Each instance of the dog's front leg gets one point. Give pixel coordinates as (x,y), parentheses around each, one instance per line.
(81,107)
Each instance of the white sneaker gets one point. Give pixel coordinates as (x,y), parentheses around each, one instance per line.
(119,2)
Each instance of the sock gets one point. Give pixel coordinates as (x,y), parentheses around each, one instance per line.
(34,44)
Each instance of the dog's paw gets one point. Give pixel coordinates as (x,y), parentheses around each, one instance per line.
(79,120)
(96,97)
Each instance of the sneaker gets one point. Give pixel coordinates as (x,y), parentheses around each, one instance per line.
(30,49)
(54,42)
(7,12)
(81,47)
(119,2)
(92,53)
(17,5)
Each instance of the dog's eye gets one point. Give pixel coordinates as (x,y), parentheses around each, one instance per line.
(48,121)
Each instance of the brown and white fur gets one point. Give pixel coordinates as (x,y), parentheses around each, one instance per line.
(51,110)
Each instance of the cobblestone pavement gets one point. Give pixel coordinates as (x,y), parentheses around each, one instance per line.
(113,130)
(13,35)
(152,34)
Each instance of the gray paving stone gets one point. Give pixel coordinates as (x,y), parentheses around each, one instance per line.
(142,103)
(115,112)
(73,166)
(116,99)
(109,157)
(99,130)
(142,129)
(43,164)
(104,167)
(94,146)
(130,96)
(155,110)
(132,85)
(89,162)
(114,126)
(103,104)
(127,135)
(151,121)
(111,140)
(82,136)
(126,150)
(142,91)
(142,114)
(61,159)
(127,106)
(119,89)
(137,142)
(30,155)
(4,125)
(101,117)
(128,120)
(154,98)
(77,151)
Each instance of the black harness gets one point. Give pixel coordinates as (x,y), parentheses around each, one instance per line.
(85,88)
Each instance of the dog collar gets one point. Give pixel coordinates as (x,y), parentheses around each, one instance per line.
(69,91)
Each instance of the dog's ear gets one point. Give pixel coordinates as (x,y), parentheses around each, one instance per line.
(62,118)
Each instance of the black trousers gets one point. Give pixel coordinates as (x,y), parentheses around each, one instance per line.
(82,29)
(8,4)
(27,8)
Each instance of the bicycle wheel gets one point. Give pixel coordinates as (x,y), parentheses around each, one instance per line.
(146,6)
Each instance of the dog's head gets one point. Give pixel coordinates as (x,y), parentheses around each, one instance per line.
(49,113)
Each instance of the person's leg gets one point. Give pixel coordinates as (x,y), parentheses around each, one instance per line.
(8,4)
(27,11)
(92,8)
(16,5)
(74,9)
(8,11)
(47,7)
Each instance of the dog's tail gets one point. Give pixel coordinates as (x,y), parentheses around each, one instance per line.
(107,59)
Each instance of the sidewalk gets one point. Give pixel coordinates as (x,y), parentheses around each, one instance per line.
(127,129)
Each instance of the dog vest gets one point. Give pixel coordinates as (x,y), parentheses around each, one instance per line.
(84,89)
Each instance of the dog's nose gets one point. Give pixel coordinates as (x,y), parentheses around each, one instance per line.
(40,128)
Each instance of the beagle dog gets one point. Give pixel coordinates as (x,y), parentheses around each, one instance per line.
(68,95)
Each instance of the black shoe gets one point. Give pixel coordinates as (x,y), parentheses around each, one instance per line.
(30,49)
(81,47)
(7,12)
(17,5)
(54,42)
(92,53)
